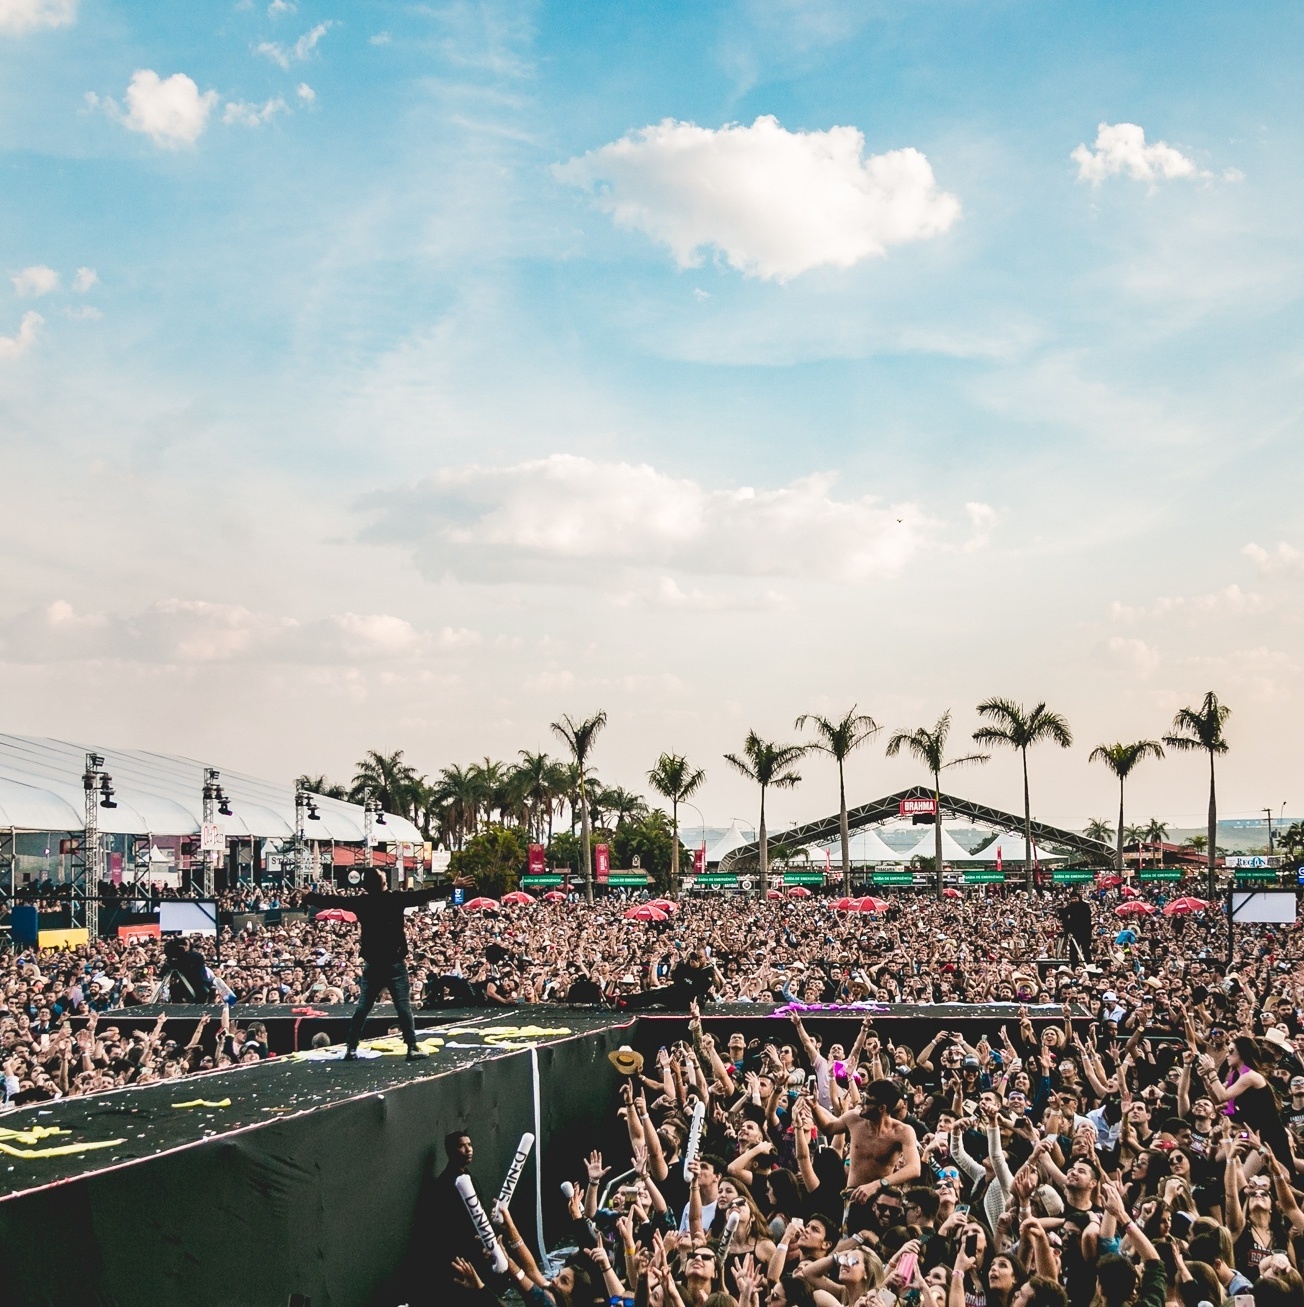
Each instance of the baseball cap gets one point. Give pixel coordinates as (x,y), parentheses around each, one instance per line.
(1109,996)
(970,1063)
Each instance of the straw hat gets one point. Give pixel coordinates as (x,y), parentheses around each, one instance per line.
(626,1060)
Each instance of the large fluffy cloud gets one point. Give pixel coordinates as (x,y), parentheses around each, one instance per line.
(19,343)
(171,111)
(567,519)
(775,203)
(24,15)
(1121,149)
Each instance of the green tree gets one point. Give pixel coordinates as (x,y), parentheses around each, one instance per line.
(388,779)
(579,738)
(535,780)
(674,779)
(649,838)
(929,748)
(320,785)
(839,739)
(770,766)
(1156,831)
(494,857)
(1194,730)
(1099,830)
(565,850)
(1121,759)
(1013,725)
(456,799)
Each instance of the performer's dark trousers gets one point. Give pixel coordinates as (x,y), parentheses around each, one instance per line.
(1079,948)
(376,978)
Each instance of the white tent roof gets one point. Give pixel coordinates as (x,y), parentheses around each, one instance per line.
(866,846)
(952,850)
(160,794)
(732,839)
(1012,846)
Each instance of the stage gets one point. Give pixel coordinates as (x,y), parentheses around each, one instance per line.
(305,1176)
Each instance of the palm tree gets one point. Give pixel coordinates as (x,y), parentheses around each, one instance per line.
(320,785)
(1013,725)
(1099,830)
(674,779)
(1120,759)
(615,801)
(770,766)
(929,747)
(1157,831)
(1202,728)
(535,782)
(579,738)
(838,739)
(388,779)
(456,793)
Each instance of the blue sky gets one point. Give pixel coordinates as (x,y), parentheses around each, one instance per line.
(393,375)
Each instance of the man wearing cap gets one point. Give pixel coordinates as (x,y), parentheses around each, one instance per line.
(884,1151)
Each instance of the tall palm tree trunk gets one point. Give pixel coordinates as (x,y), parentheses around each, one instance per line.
(1027,827)
(937,828)
(764,851)
(845,832)
(1213,832)
(587,846)
(1120,825)
(674,849)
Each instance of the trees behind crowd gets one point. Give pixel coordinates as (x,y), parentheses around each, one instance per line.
(485,813)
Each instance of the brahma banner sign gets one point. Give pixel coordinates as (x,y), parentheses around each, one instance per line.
(601,863)
(537,863)
(699,860)
(918,807)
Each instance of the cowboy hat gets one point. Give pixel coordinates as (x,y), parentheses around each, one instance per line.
(1278,1037)
(626,1060)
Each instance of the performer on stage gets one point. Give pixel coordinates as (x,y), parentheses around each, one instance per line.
(1075,917)
(384,949)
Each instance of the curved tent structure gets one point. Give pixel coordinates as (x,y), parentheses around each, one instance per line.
(161,794)
(1011,846)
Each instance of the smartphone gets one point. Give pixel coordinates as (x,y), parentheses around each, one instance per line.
(962,1208)
(906,1267)
(971,1244)
(1182,1223)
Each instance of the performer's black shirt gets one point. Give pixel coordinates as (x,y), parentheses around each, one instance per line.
(381,918)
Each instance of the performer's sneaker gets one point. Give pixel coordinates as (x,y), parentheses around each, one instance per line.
(416,1055)
(351,1055)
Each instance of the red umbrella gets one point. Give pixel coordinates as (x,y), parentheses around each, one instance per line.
(555,896)
(336,914)
(845,904)
(1134,908)
(950,892)
(518,897)
(1180,907)
(1112,881)
(773,894)
(646,912)
(869,904)
(799,892)
(666,905)
(478,905)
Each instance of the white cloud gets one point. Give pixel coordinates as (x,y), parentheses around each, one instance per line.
(305,93)
(569,519)
(86,279)
(983,518)
(171,111)
(12,346)
(1284,558)
(775,203)
(380,38)
(253,115)
(83,313)
(35,281)
(25,15)
(1134,655)
(1121,149)
(284,55)
(186,631)
(279,7)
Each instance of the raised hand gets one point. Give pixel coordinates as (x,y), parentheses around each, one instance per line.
(593,1165)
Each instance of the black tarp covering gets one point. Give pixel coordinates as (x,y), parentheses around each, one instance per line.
(325,1204)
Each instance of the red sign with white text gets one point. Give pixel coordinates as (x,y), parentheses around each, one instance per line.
(699,860)
(601,863)
(916,807)
(538,863)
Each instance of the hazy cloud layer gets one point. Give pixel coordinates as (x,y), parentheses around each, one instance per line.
(24,15)
(775,203)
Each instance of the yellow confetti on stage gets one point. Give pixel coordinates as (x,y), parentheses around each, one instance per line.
(63,1150)
(203,1102)
(34,1135)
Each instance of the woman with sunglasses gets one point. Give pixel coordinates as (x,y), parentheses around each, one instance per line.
(1249,1091)
(1260,1222)
(750,1237)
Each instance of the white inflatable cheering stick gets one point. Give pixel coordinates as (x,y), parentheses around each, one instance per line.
(694,1136)
(493,1249)
(513,1176)
(726,1239)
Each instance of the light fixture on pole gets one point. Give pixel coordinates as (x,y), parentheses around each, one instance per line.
(373,815)
(211,840)
(98,787)
(305,809)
